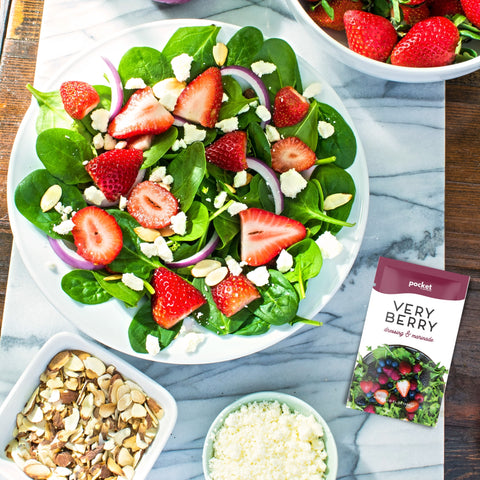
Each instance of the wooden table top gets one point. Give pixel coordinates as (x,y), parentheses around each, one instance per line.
(20,28)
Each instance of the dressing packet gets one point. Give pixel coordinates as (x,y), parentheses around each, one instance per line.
(408,341)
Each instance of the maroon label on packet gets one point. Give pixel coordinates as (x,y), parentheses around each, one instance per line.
(395,276)
(407,342)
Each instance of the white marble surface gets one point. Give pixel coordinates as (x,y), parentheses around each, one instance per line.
(402,130)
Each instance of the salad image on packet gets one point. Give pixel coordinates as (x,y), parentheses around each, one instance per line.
(408,341)
(185,188)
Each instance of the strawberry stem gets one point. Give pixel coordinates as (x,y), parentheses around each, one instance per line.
(307,321)
(148,287)
(324,161)
(220,210)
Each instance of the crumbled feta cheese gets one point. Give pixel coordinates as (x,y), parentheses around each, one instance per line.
(179,223)
(219,200)
(109,142)
(159,175)
(312,90)
(273,135)
(135,84)
(284,261)
(240,179)
(228,124)
(236,207)
(292,183)
(162,248)
(100,118)
(63,210)
(64,228)
(178,144)
(244,109)
(121,144)
(233,266)
(152,345)
(149,249)
(98,141)
(193,134)
(263,113)
(181,65)
(132,281)
(254,438)
(263,68)
(224,97)
(259,276)
(167,91)
(325,129)
(189,337)
(94,195)
(329,245)
(122,202)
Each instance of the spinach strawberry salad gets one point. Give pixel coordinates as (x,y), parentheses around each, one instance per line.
(399,382)
(204,181)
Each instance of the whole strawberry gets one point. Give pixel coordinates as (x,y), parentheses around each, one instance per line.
(472,11)
(78,98)
(429,43)
(443,8)
(413,15)
(321,17)
(369,35)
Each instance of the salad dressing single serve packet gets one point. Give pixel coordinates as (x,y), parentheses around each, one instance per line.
(408,341)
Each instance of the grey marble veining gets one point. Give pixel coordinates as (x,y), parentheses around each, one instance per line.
(401,127)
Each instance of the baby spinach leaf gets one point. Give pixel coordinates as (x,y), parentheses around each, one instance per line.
(236,101)
(119,290)
(29,193)
(197,223)
(160,146)
(143,325)
(212,318)
(307,263)
(280,300)
(342,144)
(146,63)
(256,326)
(198,42)
(334,179)
(227,227)
(306,130)
(82,286)
(63,152)
(188,169)
(259,143)
(52,114)
(281,54)
(243,46)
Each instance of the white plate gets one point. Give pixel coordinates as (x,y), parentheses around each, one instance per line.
(108,323)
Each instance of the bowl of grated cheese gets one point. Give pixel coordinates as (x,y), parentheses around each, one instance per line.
(267,434)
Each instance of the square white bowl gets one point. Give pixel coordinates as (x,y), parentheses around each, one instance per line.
(29,380)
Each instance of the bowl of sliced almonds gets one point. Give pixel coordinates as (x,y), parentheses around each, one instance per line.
(80,410)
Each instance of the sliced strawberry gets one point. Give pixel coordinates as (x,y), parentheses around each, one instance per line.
(366,385)
(141,142)
(115,171)
(78,98)
(404,367)
(291,152)
(97,235)
(152,205)
(264,235)
(381,396)
(174,298)
(229,152)
(233,293)
(201,99)
(403,387)
(289,107)
(412,406)
(142,114)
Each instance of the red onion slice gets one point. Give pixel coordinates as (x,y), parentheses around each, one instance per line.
(116,87)
(69,256)
(202,254)
(272,181)
(254,81)
(179,121)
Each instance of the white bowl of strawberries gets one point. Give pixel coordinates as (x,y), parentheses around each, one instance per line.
(414,41)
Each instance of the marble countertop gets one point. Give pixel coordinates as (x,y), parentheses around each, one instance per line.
(402,130)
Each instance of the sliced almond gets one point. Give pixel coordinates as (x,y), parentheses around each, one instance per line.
(74,364)
(204,267)
(59,360)
(137,396)
(215,277)
(146,234)
(95,365)
(107,410)
(138,411)
(51,197)
(114,467)
(167,231)
(220,52)
(124,402)
(124,457)
(336,200)
(36,470)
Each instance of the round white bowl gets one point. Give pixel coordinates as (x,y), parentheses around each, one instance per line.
(335,44)
(295,404)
